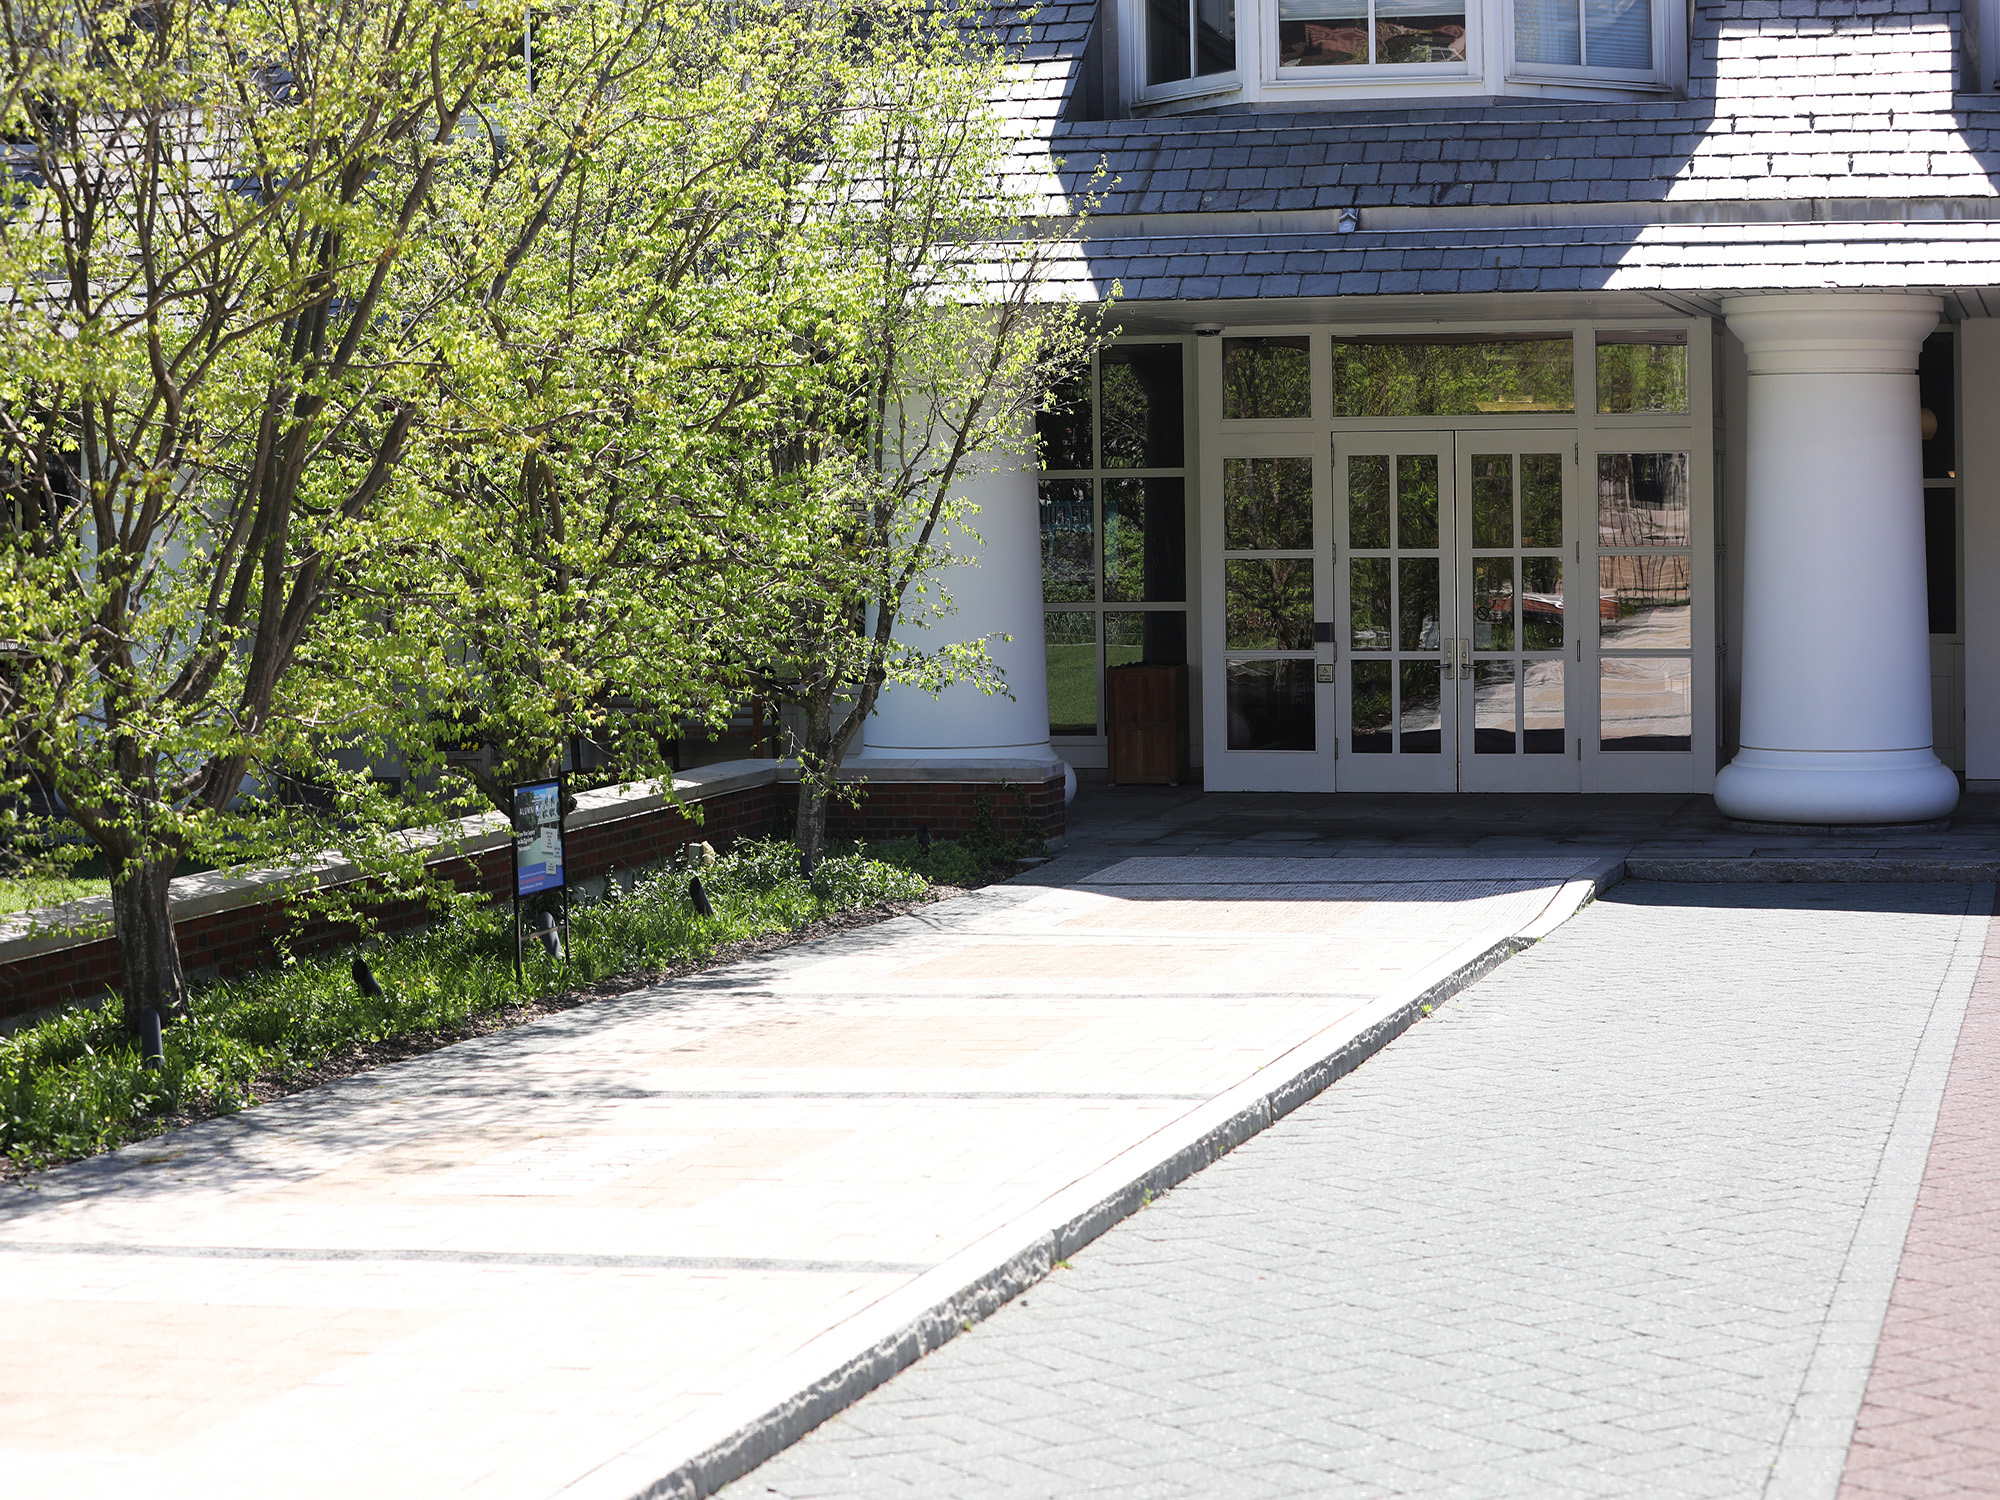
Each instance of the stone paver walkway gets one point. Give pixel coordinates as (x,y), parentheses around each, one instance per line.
(1621,1220)
(573,1257)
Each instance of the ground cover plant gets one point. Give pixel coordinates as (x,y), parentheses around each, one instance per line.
(75,1084)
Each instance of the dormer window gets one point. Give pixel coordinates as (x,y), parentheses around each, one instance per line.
(1364,33)
(1199,53)
(1613,35)
(1189,39)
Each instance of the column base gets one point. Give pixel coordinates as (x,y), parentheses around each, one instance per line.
(1836,786)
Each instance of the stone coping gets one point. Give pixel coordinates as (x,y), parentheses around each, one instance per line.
(55,928)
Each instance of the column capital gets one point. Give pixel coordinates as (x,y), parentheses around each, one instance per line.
(1832,333)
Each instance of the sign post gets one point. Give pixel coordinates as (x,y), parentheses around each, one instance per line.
(539,864)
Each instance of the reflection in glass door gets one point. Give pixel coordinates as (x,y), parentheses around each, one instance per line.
(1510,678)
(1395,511)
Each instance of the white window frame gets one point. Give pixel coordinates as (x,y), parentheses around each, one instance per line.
(1490,67)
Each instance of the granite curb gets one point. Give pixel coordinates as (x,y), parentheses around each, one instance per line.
(830,1373)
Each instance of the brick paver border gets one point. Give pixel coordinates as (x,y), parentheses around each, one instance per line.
(1929,1424)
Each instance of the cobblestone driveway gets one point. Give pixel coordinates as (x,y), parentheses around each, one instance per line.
(1577,1235)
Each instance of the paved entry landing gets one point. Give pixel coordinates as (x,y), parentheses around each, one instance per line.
(655,1238)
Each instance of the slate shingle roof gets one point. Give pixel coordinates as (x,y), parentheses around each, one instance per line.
(1792,105)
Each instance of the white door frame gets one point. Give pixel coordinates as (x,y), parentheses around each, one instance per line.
(1590,435)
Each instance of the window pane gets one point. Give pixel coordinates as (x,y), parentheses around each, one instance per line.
(1642,500)
(1541,500)
(1214,36)
(1372,714)
(1541,604)
(1268,603)
(1069,555)
(1644,603)
(1618,33)
(1941,559)
(1645,703)
(1492,500)
(1368,500)
(1267,504)
(1493,710)
(1417,500)
(1419,31)
(1166,40)
(1542,707)
(1322,33)
(1271,705)
(1413,376)
(1156,637)
(1368,603)
(1493,604)
(1145,541)
(1266,377)
(1141,389)
(1642,372)
(1071,637)
(1548,31)
(1417,604)
(1063,431)
(1420,716)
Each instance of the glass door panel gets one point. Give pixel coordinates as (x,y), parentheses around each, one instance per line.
(1396,522)
(1512,585)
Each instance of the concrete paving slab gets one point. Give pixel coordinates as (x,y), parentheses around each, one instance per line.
(637,1247)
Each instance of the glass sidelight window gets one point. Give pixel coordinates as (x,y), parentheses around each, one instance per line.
(1113,526)
(1645,599)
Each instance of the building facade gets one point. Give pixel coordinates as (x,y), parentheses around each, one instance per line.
(1517,395)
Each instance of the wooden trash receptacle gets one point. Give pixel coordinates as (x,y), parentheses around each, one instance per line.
(1146,723)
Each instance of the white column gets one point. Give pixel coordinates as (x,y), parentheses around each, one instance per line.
(1836,636)
(1001,591)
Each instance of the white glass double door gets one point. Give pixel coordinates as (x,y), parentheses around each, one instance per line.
(1452,648)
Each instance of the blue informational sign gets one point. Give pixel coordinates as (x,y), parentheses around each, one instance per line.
(538,837)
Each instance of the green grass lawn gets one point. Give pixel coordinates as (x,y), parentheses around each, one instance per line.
(73,1084)
(36,891)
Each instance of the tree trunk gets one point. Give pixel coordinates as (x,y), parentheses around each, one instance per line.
(819,757)
(149,962)
(811,835)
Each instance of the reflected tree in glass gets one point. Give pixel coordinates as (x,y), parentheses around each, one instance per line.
(1145,541)
(1139,388)
(1062,432)
(1265,378)
(1492,499)
(1267,504)
(1442,376)
(1069,537)
(1268,603)
(1417,500)
(1638,372)
(1368,500)
(1372,712)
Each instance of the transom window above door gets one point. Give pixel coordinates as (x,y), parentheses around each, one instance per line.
(1202,52)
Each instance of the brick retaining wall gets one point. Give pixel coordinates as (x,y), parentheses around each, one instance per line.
(230,929)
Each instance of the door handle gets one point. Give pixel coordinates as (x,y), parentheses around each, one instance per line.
(1461,658)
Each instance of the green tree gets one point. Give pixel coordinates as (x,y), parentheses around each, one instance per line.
(592,407)
(924,303)
(218,349)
